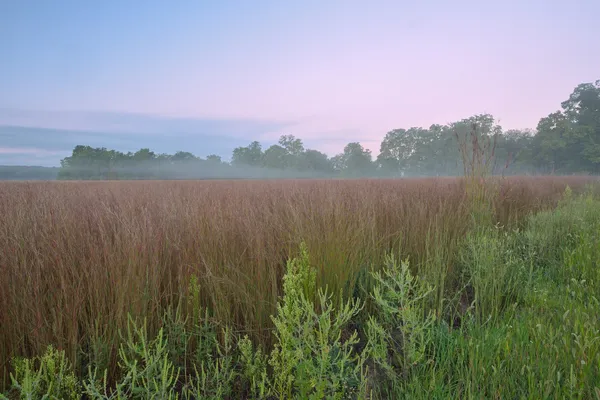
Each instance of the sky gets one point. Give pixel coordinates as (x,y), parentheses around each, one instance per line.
(207,76)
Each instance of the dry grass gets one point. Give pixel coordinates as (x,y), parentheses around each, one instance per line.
(77,257)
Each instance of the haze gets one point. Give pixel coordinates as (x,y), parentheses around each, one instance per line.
(188,74)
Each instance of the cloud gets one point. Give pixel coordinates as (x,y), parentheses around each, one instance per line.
(30,156)
(27,150)
(132,123)
(28,135)
(32,136)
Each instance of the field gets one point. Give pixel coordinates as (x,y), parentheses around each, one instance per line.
(101,270)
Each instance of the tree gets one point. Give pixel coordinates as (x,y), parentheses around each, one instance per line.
(214,159)
(144,155)
(291,144)
(582,110)
(397,149)
(275,157)
(355,160)
(87,162)
(314,160)
(182,156)
(251,155)
(514,151)
(294,149)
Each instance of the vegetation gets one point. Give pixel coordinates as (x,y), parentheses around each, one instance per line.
(345,289)
(474,287)
(565,142)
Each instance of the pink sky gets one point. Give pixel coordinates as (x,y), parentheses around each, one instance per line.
(338,70)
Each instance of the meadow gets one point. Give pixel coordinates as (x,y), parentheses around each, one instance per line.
(436,288)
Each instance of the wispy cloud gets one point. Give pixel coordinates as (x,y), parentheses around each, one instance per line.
(30,156)
(27,150)
(30,135)
(134,123)
(26,135)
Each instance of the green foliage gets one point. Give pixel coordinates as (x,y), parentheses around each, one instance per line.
(568,140)
(47,377)
(399,331)
(310,360)
(533,332)
(147,371)
(355,161)
(550,232)
(492,272)
(254,369)
(546,345)
(215,375)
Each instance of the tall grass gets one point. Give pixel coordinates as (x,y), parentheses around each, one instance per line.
(78,259)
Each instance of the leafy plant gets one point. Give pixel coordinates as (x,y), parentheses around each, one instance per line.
(399,332)
(147,371)
(215,375)
(48,377)
(254,368)
(310,359)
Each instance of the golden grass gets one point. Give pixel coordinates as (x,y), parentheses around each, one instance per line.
(77,257)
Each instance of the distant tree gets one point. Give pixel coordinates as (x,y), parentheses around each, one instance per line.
(144,155)
(514,151)
(582,126)
(251,155)
(291,144)
(181,156)
(214,159)
(397,148)
(355,160)
(314,160)
(569,140)
(276,157)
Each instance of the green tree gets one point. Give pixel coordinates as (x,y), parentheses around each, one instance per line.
(276,157)
(251,155)
(355,161)
(314,160)
(144,155)
(214,159)
(294,150)
(569,140)
(181,156)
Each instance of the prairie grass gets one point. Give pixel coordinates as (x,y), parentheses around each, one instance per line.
(80,260)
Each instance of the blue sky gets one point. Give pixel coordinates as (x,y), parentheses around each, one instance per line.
(206,76)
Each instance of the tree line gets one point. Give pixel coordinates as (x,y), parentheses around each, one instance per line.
(564,142)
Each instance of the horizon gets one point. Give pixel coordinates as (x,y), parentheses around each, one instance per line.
(197,75)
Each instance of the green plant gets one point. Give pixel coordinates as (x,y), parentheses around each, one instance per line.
(214,375)
(48,377)
(492,272)
(147,371)
(310,359)
(254,368)
(399,331)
